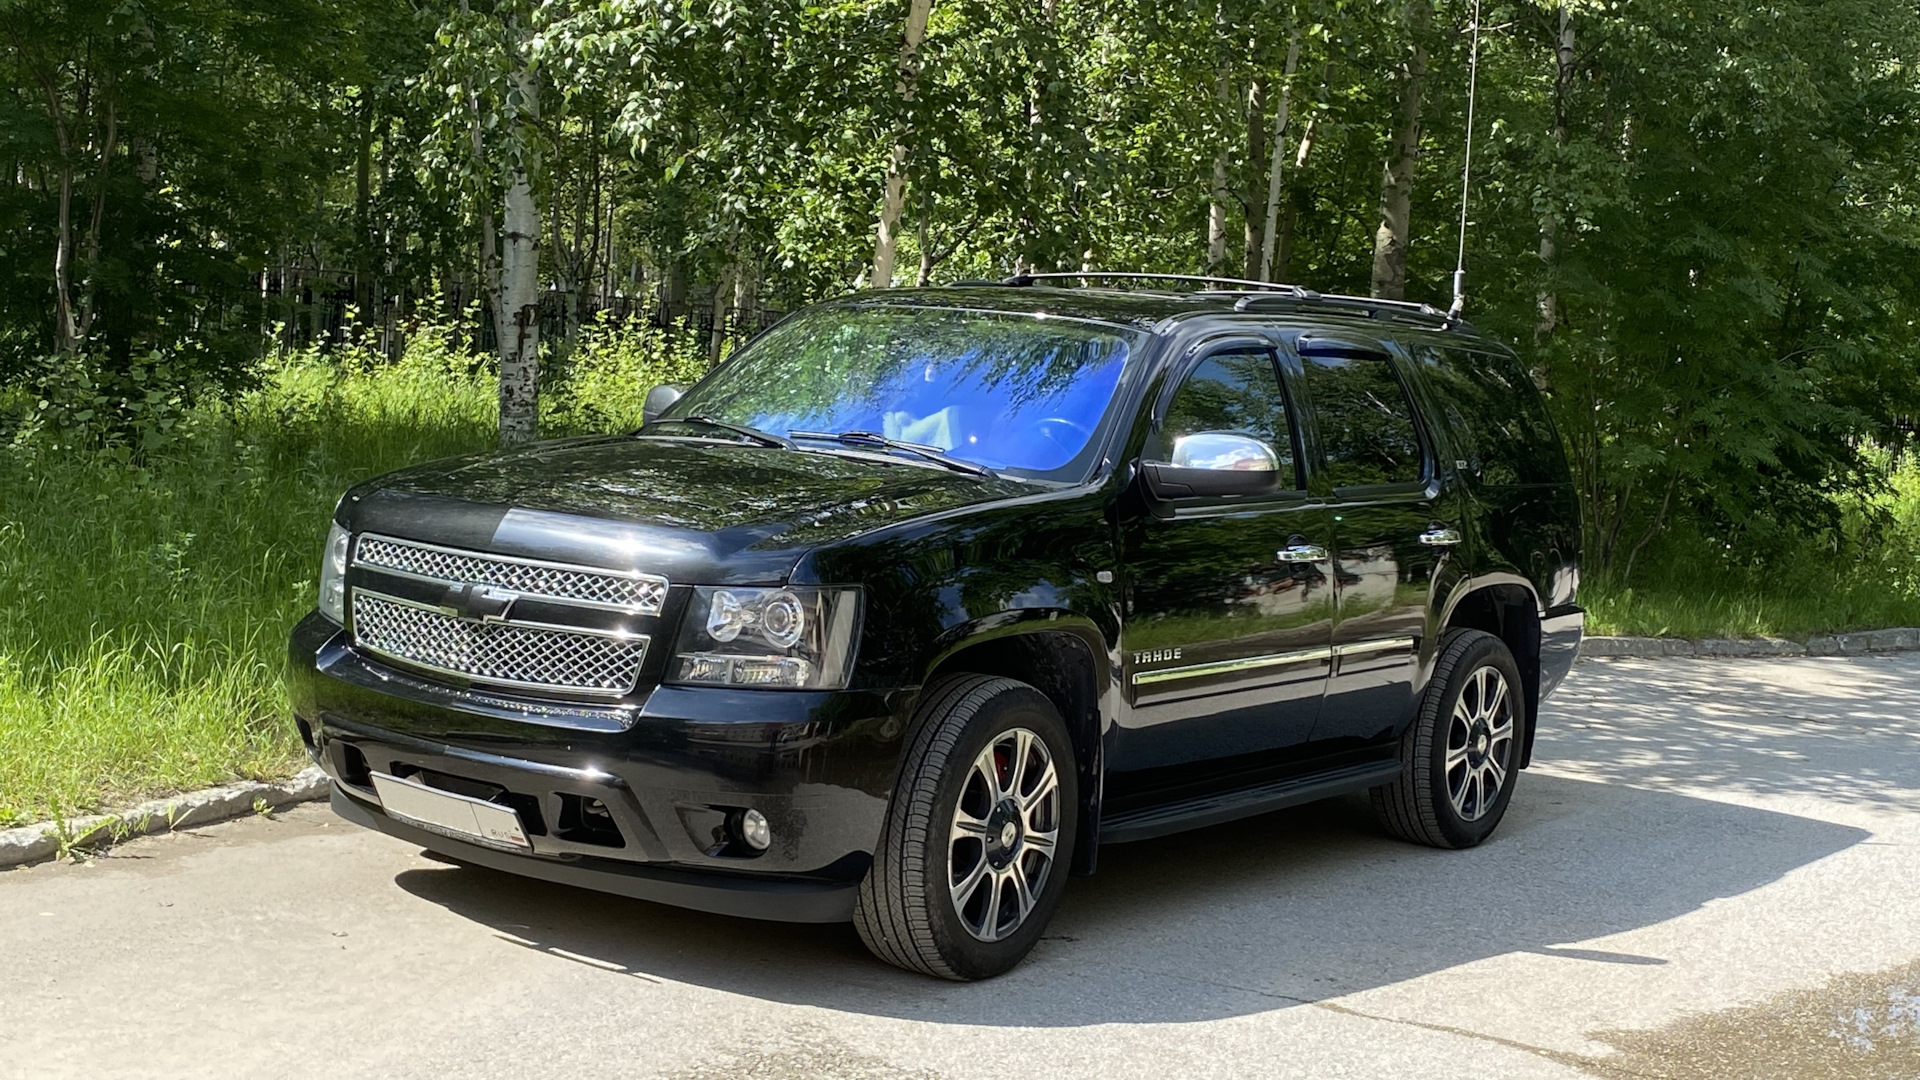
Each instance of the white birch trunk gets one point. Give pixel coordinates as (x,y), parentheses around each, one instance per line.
(1217,216)
(1547,301)
(1217,201)
(1269,235)
(65,335)
(886,244)
(516,308)
(1396,181)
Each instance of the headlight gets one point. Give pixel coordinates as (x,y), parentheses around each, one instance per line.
(794,638)
(333,575)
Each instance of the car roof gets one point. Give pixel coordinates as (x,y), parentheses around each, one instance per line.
(1161,311)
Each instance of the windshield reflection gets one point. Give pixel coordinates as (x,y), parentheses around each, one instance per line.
(1018,393)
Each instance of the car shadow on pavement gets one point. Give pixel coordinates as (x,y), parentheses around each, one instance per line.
(1256,915)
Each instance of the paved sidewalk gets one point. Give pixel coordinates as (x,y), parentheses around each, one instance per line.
(1702,847)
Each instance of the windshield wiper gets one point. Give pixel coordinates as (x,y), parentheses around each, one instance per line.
(764,438)
(922,450)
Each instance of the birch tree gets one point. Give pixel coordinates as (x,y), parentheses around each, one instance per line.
(1548,302)
(887,241)
(1272,220)
(1391,238)
(492,75)
(76,66)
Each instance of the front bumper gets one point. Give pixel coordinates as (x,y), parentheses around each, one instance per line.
(635,799)
(776,899)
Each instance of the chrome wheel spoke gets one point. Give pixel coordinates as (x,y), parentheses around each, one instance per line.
(1022,746)
(1042,843)
(967,827)
(1045,788)
(1495,772)
(964,889)
(1023,896)
(1492,709)
(989,770)
(1462,716)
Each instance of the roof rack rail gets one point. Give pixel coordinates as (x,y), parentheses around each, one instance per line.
(1371,307)
(1023,280)
(1262,295)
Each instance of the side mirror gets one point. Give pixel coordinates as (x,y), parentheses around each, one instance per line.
(1214,463)
(657,401)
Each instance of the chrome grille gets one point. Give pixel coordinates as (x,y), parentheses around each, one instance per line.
(641,594)
(502,653)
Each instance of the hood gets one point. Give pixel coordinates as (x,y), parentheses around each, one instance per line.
(709,512)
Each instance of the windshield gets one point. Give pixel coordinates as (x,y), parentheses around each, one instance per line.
(1016,393)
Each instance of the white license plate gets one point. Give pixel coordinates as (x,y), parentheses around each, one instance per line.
(458,816)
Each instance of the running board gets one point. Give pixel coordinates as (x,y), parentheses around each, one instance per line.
(1246,802)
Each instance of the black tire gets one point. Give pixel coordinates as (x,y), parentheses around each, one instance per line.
(905,912)
(1425,804)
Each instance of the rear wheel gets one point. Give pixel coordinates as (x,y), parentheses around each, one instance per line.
(979,834)
(1462,754)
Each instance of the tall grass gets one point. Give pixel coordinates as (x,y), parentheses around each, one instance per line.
(1868,577)
(144,608)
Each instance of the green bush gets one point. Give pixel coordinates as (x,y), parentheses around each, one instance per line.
(1864,575)
(603,384)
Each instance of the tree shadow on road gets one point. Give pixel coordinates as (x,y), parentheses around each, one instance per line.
(1261,914)
(1845,730)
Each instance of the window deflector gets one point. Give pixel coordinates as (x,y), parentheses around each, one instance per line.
(1340,345)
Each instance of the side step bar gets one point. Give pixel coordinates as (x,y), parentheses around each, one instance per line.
(1232,805)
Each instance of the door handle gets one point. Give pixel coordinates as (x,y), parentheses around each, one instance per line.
(1301,553)
(1440,536)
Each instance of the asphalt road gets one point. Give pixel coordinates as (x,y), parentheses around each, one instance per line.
(1711,872)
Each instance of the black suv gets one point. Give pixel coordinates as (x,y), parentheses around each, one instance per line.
(907,608)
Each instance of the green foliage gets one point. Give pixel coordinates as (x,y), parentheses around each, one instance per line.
(1866,575)
(602,385)
(83,403)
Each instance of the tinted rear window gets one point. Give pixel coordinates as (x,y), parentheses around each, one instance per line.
(1367,432)
(1498,420)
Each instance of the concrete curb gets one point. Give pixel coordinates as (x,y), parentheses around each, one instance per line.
(37,843)
(1901,639)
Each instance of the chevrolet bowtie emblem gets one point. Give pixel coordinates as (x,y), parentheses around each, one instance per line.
(481,603)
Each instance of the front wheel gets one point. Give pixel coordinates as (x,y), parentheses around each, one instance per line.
(979,834)
(1462,754)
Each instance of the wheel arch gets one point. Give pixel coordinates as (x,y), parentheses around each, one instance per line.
(1065,658)
(1507,607)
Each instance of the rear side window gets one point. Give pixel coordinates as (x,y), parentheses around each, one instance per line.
(1236,392)
(1497,417)
(1365,421)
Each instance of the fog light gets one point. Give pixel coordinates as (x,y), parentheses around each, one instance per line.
(755,831)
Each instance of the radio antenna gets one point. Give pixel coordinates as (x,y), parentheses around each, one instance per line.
(1466,172)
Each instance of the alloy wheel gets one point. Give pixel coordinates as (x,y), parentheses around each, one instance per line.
(1479,744)
(1006,826)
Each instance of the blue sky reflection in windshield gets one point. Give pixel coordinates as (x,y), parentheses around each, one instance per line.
(1016,393)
